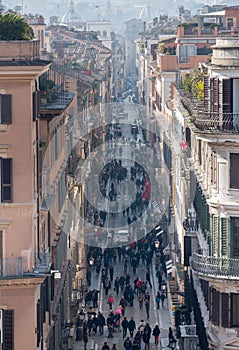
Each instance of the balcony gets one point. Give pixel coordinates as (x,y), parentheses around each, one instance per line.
(217,122)
(11,267)
(220,268)
(209,122)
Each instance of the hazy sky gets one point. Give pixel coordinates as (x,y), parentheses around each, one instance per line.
(59,7)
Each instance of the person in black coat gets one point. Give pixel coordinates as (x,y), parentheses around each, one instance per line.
(170,335)
(89,325)
(101,322)
(116,285)
(105,346)
(146,336)
(107,285)
(148,278)
(125,325)
(132,326)
(156,332)
(135,346)
(85,339)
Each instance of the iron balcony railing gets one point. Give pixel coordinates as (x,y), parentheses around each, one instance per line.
(217,122)
(11,267)
(223,268)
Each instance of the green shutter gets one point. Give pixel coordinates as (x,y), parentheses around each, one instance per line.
(215,235)
(224,237)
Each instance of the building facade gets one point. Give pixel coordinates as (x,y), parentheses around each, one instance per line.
(20,282)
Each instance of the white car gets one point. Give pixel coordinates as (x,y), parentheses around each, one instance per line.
(121,236)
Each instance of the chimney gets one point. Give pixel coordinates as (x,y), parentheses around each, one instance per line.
(180,31)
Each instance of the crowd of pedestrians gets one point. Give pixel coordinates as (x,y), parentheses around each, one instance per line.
(111,177)
(122,292)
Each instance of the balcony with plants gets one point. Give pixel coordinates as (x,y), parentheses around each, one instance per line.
(191,88)
(53,93)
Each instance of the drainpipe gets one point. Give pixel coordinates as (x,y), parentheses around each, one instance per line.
(37,178)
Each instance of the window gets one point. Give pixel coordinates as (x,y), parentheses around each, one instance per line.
(61,192)
(214,229)
(35,105)
(234,310)
(224,236)
(215,307)
(234,170)
(235,237)
(5,180)
(214,168)
(225,310)
(5,109)
(8,329)
(200,151)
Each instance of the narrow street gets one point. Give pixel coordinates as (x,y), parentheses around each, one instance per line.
(128,221)
(160,317)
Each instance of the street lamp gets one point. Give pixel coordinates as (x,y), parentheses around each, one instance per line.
(91,261)
(172,343)
(164,288)
(80,321)
(156,244)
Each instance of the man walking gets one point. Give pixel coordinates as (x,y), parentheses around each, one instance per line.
(101,321)
(127,344)
(148,278)
(132,327)
(125,325)
(146,304)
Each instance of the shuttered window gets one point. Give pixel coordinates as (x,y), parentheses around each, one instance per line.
(206,93)
(220,96)
(224,236)
(234,170)
(215,95)
(227,95)
(225,310)
(5,180)
(8,330)
(215,235)
(211,95)
(6,109)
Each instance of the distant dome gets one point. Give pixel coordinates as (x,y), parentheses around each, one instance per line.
(71,18)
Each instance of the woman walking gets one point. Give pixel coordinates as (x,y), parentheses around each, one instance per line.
(111,301)
(156,332)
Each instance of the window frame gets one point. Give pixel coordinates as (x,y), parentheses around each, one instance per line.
(236,161)
(233,311)
(5,102)
(6,185)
